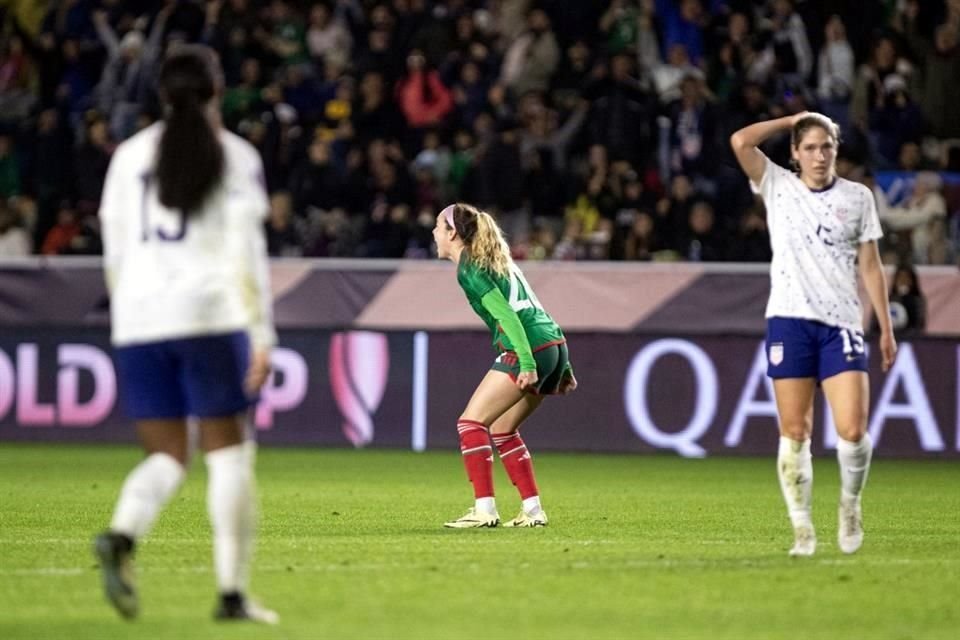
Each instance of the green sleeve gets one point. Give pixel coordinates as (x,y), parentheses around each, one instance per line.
(494,302)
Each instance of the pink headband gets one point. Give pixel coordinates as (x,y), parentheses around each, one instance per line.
(448,215)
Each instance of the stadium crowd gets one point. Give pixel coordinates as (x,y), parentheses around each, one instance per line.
(592,130)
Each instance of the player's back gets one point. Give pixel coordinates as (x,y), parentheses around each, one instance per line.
(173,273)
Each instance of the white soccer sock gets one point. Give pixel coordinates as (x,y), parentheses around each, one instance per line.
(230,504)
(795,470)
(531,506)
(854,459)
(485,505)
(145,491)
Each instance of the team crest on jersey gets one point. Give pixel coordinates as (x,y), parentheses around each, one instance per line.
(776,353)
(842,214)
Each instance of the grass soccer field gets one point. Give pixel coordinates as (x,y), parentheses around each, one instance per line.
(351,547)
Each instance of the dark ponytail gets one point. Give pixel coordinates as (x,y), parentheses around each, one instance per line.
(190,161)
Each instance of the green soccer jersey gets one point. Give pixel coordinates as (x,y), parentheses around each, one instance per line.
(508,306)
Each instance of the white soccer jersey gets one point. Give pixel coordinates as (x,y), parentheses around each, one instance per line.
(172,276)
(815,236)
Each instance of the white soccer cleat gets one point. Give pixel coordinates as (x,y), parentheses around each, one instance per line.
(524,519)
(804,541)
(474,519)
(850,530)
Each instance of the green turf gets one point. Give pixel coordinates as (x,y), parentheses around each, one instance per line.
(351,547)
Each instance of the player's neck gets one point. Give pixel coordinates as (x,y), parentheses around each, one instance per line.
(455,252)
(818,185)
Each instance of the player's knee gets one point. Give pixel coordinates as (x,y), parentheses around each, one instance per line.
(852,431)
(795,428)
(466,419)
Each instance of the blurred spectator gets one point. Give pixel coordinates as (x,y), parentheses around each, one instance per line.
(388,230)
(315,181)
(683,23)
(532,58)
(461,161)
(424,100)
(752,242)
(573,74)
(622,115)
(330,234)
(908,306)
(496,180)
(939,70)
(542,133)
(62,234)
(14,239)
(940,249)
(640,242)
(620,23)
(373,114)
(913,221)
(868,87)
(470,93)
(648,40)
(242,99)
(286,38)
(543,240)
(702,241)
(673,213)
(787,59)
(327,35)
(16,78)
(283,232)
(130,71)
(835,71)
(894,119)
(93,159)
(910,157)
(668,75)
(52,169)
(694,131)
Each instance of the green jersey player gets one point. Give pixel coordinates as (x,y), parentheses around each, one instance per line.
(532,362)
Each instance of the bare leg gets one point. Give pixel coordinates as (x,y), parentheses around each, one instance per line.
(848,394)
(152,482)
(146,490)
(230,500)
(794,464)
(494,396)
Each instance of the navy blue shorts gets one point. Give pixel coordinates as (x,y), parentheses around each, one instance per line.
(809,349)
(201,377)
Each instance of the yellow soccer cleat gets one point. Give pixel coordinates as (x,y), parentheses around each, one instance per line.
(474,519)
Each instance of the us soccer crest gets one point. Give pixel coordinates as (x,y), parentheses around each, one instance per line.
(776,353)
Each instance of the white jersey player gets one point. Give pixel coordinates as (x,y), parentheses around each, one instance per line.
(822,228)
(182,216)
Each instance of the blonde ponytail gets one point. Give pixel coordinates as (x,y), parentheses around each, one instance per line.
(488,248)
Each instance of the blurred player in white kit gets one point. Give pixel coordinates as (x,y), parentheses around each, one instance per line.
(191,322)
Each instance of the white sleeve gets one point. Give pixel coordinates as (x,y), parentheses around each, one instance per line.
(112,209)
(251,252)
(260,302)
(870,221)
(770,180)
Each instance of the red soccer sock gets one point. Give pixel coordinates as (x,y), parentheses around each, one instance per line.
(477,456)
(517,462)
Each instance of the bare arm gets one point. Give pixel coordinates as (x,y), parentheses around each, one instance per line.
(745,142)
(875,281)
